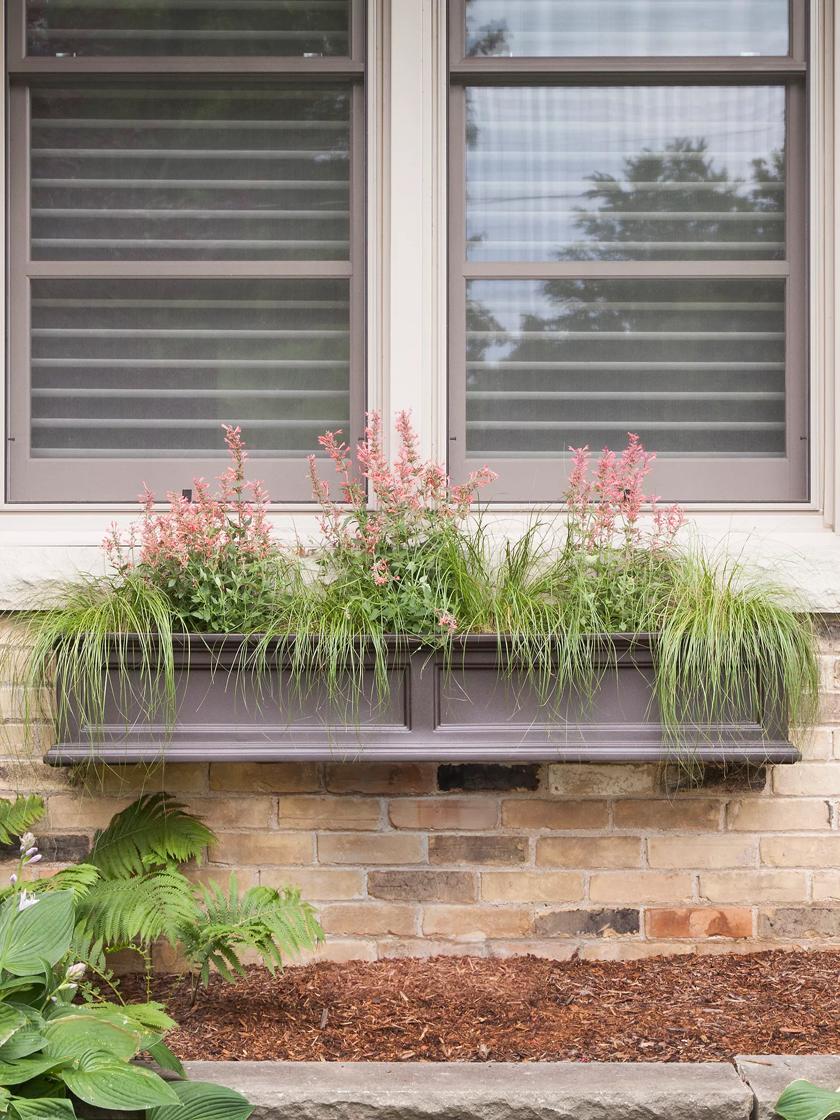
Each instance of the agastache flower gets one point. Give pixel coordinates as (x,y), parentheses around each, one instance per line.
(448,621)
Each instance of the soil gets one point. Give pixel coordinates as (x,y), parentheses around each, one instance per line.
(665,1009)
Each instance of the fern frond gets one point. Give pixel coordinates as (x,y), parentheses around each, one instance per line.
(142,908)
(155,830)
(18,816)
(79,879)
(275,924)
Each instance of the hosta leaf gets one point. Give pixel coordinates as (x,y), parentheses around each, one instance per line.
(200,1100)
(15,1073)
(28,1040)
(39,933)
(73,1034)
(42,1108)
(804,1101)
(106,1082)
(10,1021)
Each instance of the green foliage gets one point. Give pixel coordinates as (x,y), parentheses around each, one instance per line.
(802,1100)
(155,830)
(276,924)
(54,1053)
(18,816)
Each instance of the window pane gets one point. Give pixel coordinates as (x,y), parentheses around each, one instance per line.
(625,173)
(150,368)
(568,28)
(190,173)
(695,367)
(58,28)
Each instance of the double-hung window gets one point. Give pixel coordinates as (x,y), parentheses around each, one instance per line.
(628,241)
(186,238)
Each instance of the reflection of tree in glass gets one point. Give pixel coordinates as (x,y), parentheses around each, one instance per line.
(677,203)
(490,39)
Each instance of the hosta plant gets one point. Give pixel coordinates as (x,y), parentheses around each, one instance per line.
(802,1100)
(55,1054)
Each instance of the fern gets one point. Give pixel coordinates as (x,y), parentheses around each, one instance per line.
(141,908)
(18,816)
(275,924)
(154,831)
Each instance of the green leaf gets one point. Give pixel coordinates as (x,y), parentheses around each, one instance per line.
(166,1059)
(15,1073)
(106,1082)
(38,934)
(805,1101)
(155,829)
(10,1022)
(18,816)
(78,1032)
(43,1108)
(200,1100)
(29,1039)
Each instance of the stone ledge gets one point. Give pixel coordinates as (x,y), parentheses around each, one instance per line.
(768,1074)
(495,1091)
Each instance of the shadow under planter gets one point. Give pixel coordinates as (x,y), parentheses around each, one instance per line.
(471,706)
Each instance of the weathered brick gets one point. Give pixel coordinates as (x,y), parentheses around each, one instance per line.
(590,851)
(676,778)
(601,780)
(470,814)
(663,815)
(490,777)
(425,947)
(574,816)
(340,950)
(316,883)
(31,775)
(80,810)
(246,877)
(360,848)
(808,779)
(475,923)
(493,851)
(550,949)
(19,704)
(175,777)
(423,886)
(815,744)
(640,886)
(63,848)
(775,815)
(697,921)
(800,923)
(826,886)
(531,886)
(753,886)
(259,848)
(381,777)
(369,919)
(329,812)
(265,777)
(620,949)
(701,850)
(801,851)
(233,812)
(587,923)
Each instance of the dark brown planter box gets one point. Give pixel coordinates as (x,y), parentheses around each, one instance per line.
(475,708)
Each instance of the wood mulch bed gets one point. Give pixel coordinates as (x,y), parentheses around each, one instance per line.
(666,1009)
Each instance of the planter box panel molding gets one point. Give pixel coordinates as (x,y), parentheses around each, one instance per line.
(474,707)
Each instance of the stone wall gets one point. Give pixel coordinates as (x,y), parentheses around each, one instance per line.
(605,861)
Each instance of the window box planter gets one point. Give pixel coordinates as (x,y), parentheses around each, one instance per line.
(476,708)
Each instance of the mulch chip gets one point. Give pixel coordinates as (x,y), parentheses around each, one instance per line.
(471,1009)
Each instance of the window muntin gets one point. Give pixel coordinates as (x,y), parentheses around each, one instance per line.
(185,251)
(574,182)
(591,28)
(91,28)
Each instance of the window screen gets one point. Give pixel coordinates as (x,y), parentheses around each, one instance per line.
(187,241)
(628,242)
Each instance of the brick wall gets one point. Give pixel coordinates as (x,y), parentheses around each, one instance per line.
(607,861)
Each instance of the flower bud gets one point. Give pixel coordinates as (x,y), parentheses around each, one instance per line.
(76,971)
(26,841)
(36,858)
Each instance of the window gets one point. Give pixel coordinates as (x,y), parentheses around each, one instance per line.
(186,228)
(628,241)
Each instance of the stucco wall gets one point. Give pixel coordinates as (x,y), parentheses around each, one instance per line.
(608,861)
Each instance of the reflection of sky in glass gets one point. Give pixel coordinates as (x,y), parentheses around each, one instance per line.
(532,153)
(627,27)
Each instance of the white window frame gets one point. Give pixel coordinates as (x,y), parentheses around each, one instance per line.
(407,317)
